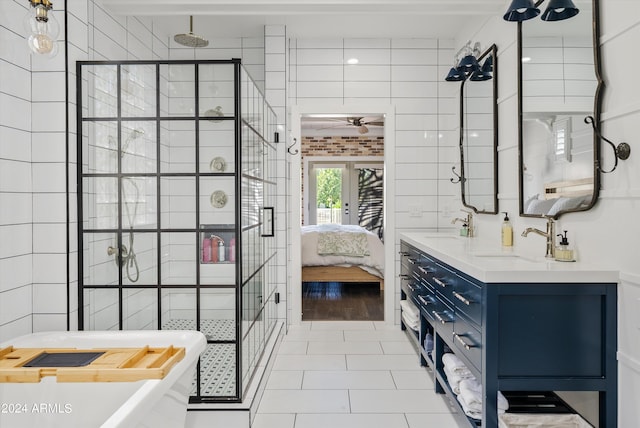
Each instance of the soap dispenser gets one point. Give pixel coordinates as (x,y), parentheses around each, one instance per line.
(563,252)
(507,231)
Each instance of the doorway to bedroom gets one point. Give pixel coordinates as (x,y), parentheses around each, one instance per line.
(342,192)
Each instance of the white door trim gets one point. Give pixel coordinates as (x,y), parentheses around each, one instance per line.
(294,300)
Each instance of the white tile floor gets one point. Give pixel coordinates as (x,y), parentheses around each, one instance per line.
(350,375)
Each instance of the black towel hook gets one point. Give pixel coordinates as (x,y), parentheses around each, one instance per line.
(293,152)
(622,151)
(459,177)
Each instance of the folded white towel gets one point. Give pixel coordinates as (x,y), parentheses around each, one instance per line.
(410,309)
(454,364)
(472,413)
(409,322)
(471,389)
(454,379)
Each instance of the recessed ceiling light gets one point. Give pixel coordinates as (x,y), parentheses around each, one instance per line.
(352,61)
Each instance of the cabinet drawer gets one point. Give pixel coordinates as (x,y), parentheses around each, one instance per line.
(443,280)
(427,303)
(412,261)
(467,340)
(443,317)
(408,258)
(467,298)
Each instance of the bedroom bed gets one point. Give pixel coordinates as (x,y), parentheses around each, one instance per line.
(341,253)
(568,195)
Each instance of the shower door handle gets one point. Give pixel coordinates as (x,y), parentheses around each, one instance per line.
(268,227)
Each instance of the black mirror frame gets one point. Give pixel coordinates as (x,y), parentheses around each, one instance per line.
(492,50)
(597,106)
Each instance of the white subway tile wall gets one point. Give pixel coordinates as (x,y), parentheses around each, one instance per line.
(275,48)
(16,289)
(405,73)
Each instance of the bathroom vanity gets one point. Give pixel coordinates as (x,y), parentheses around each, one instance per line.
(519,324)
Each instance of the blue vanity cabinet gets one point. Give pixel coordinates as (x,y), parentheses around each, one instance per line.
(522,336)
(415,288)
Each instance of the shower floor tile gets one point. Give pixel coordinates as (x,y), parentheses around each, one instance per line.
(218,371)
(213,329)
(218,361)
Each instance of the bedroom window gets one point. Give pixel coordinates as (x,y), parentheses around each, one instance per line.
(328,194)
(562,139)
(346,193)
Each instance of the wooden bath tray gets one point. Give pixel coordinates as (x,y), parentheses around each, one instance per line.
(101,365)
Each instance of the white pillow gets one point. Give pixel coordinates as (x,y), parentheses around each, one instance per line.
(527,202)
(540,206)
(563,204)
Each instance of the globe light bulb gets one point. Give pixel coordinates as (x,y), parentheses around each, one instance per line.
(42,44)
(43,28)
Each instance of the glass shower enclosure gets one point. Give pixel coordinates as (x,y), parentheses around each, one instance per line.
(175,207)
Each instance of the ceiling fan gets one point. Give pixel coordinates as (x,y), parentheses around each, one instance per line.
(359,122)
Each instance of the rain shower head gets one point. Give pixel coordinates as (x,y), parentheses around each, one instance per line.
(191,40)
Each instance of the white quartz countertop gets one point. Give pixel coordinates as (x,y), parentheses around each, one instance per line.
(493,264)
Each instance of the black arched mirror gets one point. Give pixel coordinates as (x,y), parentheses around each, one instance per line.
(559,85)
(479,136)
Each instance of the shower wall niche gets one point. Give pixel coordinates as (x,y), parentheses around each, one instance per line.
(177,173)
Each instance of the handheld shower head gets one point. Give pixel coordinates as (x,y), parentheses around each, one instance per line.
(191,40)
(133,135)
(136,133)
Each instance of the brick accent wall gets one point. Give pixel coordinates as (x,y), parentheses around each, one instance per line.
(342,146)
(339,146)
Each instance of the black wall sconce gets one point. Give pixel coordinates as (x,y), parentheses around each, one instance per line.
(468,66)
(557,10)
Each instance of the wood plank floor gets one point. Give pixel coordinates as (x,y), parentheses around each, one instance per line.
(342,301)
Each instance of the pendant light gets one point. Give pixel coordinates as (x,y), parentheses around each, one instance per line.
(42,27)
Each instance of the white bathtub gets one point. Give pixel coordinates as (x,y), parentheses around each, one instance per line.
(152,403)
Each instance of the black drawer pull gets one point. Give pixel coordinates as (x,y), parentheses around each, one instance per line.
(412,261)
(439,282)
(404,253)
(412,287)
(462,298)
(403,276)
(439,318)
(462,342)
